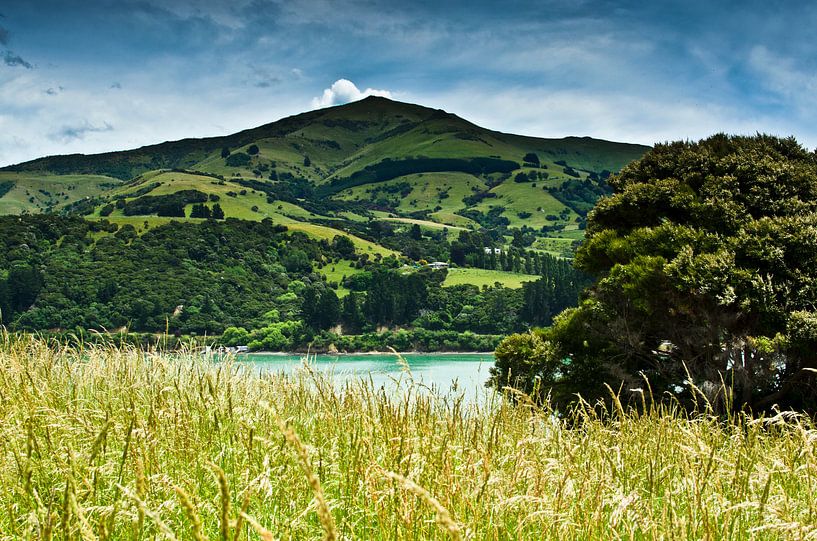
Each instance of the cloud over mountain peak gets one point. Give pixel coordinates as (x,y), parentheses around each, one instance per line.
(345,91)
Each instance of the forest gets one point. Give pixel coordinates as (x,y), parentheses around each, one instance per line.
(258,283)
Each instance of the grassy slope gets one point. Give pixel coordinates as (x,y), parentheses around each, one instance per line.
(336,272)
(137,447)
(26,195)
(280,212)
(484,277)
(426,191)
(524,197)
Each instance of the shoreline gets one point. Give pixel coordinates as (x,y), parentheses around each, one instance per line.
(346,353)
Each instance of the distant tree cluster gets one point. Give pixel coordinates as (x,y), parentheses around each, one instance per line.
(389,169)
(238,159)
(163,205)
(5,187)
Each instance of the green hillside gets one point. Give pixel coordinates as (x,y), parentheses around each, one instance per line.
(44,192)
(344,169)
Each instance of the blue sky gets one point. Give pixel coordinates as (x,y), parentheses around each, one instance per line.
(101,75)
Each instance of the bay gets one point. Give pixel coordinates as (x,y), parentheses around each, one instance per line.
(446,373)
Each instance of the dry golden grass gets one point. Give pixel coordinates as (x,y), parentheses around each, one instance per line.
(106,443)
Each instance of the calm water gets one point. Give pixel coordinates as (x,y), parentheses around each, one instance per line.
(464,372)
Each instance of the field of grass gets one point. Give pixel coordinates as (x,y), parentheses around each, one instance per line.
(38,192)
(483,277)
(449,218)
(559,247)
(100,443)
(281,212)
(425,224)
(429,191)
(525,197)
(336,272)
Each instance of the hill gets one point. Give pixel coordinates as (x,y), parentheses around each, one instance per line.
(341,169)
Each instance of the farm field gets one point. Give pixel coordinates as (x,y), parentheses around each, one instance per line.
(484,277)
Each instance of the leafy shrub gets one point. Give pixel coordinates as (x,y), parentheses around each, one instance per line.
(238,159)
(163,205)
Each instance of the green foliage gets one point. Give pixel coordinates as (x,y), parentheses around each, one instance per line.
(218,212)
(199,277)
(389,169)
(344,246)
(237,159)
(205,276)
(580,195)
(200,211)
(252,150)
(19,290)
(519,360)
(320,307)
(163,205)
(418,339)
(5,187)
(705,255)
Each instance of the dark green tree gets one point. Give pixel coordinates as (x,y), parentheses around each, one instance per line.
(24,284)
(352,313)
(225,152)
(320,307)
(200,210)
(344,246)
(252,150)
(217,213)
(239,159)
(705,258)
(171,209)
(5,303)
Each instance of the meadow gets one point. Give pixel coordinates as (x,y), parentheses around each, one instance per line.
(116,443)
(486,277)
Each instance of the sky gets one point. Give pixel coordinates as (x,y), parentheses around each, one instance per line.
(99,75)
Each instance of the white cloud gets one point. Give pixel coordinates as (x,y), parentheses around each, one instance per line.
(345,91)
(87,117)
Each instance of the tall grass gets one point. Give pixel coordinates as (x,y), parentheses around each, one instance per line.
(113,443)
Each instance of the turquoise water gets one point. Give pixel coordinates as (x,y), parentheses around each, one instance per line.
(461,372)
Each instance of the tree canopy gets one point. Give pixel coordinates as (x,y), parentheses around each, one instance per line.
(705,260)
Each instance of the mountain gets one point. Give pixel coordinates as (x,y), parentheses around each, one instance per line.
(339,169)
